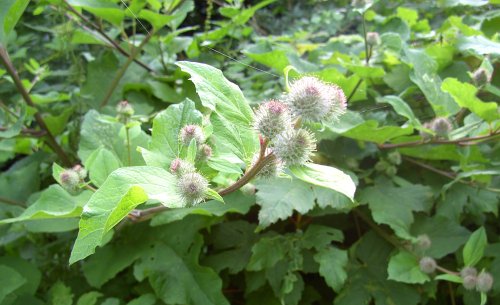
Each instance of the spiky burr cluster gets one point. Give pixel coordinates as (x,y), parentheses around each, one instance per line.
(441,127)
(315,101)
(308,100)
(192,187)
(471,280)
(71,178)
(190,132)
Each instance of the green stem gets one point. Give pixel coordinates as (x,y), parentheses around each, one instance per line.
(123,69)
(49,138)
(11,202)
(129,155)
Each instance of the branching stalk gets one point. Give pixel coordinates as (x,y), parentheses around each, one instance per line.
(123,69)
(461,141)
(49,138)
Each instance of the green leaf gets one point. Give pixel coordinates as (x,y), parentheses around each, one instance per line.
(266,253)
(100,164)
(327,177)
(16,128)
(27,270)
(60,294)
(450,278)
(145,299)
(394,205)
(10,12)
(89,298)
(209,193)
(424,75)
(465,96)
(332,263)
(404,267)
(353,126)
(478,45)
(401,108)
(124,189)
(234,203)
(107,10)
(54,202)
(474,248)
(9,281)
(232,118)
(232,243)
(156,20)
(100,131)
(276,59)
(191,151)
(177,278)
(164,145)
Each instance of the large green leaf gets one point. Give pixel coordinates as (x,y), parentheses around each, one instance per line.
(465,96)
(424,75)
(172,268)
(124,189)
(10,280)
(404,267)
(326,176)
(332,263)
(107,10)
(474,248)
(54,202)
(101,131)
(232,118)
(394,205)
(164,145)
(10,12)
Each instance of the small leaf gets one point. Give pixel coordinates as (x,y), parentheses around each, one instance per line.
(404,267)
(474,248)
(332,264)
(124,189)
(214,195)
(326,176)
(450,278)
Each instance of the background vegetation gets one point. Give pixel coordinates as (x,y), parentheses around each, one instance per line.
(66,64)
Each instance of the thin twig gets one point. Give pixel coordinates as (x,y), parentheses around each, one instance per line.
(123,69)
(461,141)
(49,138)
(29,132)
(105,36)
(11,202)
(368,51)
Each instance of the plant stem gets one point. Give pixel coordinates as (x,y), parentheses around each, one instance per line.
(263,160)
(462,141)
(29,132)
(49,138)
(11,202)
(368,54)
(105,36)
(128,146)
(123,69)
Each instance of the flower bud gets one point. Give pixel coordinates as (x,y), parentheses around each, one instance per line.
(294,146)
(391,171)
(272,118)
(469,282)
(124,108)
(441,126)
(192,187)
(468,271)
(481,77)
(81,171)
(190,132)
(426,136)
(394,157)
(372,39)
(315,101)
(484,282)
(204,152)
(427,264)
(180,167)
(423,242)
(70,180)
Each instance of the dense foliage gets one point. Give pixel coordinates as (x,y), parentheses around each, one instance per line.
(200,152)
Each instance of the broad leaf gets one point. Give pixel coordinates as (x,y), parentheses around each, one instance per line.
(9,281)
(465,96)
(326,176)
(10,12)
(164,145)
(124,189)
(233,117)
(332,263)
(474,248)
(404,267)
